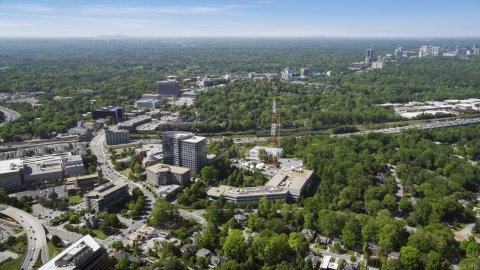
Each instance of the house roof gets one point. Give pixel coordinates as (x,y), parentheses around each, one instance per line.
(191,247)
(122,254)
(394,254)
(336,239)
(203,253)
(217,260)
(240,217)
(372,246)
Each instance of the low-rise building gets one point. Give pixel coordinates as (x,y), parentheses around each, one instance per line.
(91,221)
(189,94)
(203,253)
(162,174)
(150,160)
(43,168)
(73,165)
(152,96)
(147,103)
(106,195)
(85,253)
(276,152)
(122,254)
(84,183)
(295,180)
(168,191)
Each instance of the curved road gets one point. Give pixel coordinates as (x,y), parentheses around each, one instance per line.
(37,239)
(10,115)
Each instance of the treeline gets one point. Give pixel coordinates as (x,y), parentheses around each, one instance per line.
(13,201)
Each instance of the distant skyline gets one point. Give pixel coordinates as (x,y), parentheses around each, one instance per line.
(229,18)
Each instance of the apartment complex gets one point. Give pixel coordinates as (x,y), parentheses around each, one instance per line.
(11,174)
(161,175)
(114,137)
(84,254)
(168,88)
(106,195)
(185,150)
(118,113)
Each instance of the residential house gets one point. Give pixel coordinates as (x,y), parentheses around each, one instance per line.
(216,261)
(189,247)
(307,233)
(355,266)
(204,253)
(373,248)
(241,219)
(122,254)
(322,240)
(393,255)
(336,240)
(314,259)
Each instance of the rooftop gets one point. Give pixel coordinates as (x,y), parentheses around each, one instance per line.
(11,165)
(291,178)
(107,188)
(165,168)
(72,255)
(107,109)
(243,192)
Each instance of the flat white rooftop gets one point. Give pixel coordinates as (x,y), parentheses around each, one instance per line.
(11,165)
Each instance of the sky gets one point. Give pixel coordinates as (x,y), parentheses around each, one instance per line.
(232,18)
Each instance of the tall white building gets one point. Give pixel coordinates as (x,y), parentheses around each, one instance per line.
(11,174)
(185,150)
(116,137)
(398,53)
(287,74)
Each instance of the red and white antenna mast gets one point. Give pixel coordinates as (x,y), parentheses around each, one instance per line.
(273,133)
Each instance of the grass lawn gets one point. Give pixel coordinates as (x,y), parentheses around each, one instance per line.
(15,264)
(17,231)
(53,251)
(126,172)
(100,235)
(74,199)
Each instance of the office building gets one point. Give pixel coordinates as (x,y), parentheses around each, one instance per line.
(114,137)
(132,123)
(11,174)
(152,96)
(162,174)
(287,74)
(185,150)
(357,65)
(398,53)
(117,113)
(475,46)
(377,65)
(168,88)
(287,184)
(106,195)
(476,51)
(189,94)
(73,165)
(369,56)
(43,168)
(84,183)
(84,254)
(305,72)
(168,192)
(147,103)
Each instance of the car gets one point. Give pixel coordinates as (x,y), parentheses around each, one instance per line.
(133,222)
(30,226)
(35,239)
(33,249)
(31,259)
(30,237)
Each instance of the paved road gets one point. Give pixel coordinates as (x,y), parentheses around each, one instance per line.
(465,232)
(37,240)
(194,215)
(98,149)
(10,115)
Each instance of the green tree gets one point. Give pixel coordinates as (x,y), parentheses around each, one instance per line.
(435,262)
(163,213)
(410,258)
(117,245)
(124,264)
(73,219)
(55,240)
(235,246)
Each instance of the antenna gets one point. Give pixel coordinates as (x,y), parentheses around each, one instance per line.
(273,131)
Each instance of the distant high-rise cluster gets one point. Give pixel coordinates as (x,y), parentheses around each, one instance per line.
(369,56)
(398,53)
(287,75)
(475,48)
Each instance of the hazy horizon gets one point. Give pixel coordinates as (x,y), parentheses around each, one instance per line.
(275,19)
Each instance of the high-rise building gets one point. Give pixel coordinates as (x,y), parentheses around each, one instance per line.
(114,137)
(287,75)
(84,254)
(475,46)
(369,56)
(398,53)
(168,88)
(185,150)
(305,72)
(11,174)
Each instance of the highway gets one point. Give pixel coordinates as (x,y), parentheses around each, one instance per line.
(37,239)
(97,147)
(10,115)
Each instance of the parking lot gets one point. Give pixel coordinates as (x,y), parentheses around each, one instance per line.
(33,191)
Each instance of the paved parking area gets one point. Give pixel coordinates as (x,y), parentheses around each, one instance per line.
(33,191)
